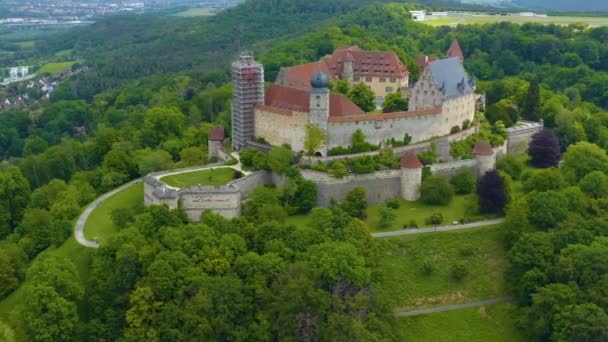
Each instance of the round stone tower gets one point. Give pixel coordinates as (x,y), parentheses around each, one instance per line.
(411,176)
(485,156)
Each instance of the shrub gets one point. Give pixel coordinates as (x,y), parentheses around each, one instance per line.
(393,203)
(511,165)
(237,174)
(466,123)
(428,267)
(459,271)
(231,162)
(463,181)
(435,190)
(467,251)
(454,129)
(338,169)
(412,224)
(387,217)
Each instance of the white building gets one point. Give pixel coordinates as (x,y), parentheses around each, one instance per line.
(418,15)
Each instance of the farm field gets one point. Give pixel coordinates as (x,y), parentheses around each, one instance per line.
(210,177)
(492,322)
(195,12)
(54,68)
(469,18)
(416,271)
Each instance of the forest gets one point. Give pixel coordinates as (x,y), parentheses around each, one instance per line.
(155,88)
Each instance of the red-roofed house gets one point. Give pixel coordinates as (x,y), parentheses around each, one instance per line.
(382,71)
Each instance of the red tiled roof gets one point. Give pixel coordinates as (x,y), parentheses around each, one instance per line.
(367,63)
(340,105)
(483,148)
(217,134)
(376,117)
(424,61)
(299,76)
(410,160)
(289,98)
(455,50)
(298,100)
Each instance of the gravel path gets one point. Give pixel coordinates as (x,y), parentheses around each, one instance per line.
(453,307)
(440,228)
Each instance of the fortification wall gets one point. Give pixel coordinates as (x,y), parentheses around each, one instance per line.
(224,200)
(519,137)
(420,128)
(458,109)
(251,181)
(280,126)
(379,186)
(418,147)
(450,168)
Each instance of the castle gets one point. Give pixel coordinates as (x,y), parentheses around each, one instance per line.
(443,98)
(442,101)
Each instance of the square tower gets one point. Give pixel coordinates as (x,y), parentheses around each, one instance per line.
(248,83)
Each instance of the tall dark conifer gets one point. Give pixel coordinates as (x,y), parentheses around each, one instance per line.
(531,109)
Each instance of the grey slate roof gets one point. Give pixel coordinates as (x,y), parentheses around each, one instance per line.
(451,78)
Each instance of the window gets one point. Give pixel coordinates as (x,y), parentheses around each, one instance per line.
(382,79)
(368,79)
(389,89)
(318,101)
(357,78)
(393,79)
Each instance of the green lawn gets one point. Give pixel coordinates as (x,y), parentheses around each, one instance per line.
(195,12)
(418,211)
(406,286)
(54,68)
(480,324)
(29,44)
(465,19)
(99,225)
(64,53)
(215,177)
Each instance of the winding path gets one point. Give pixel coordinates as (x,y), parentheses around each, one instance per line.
(82,220)
(439,228)
(453,307)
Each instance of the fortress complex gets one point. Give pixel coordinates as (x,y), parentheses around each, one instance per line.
(443,97)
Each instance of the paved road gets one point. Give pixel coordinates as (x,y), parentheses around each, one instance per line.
(453,307)
(440,228)
(82,220)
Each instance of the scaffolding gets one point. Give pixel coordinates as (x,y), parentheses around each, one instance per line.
(248,81)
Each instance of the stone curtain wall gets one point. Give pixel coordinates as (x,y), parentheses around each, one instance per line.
(450,168)
(380,186)
(419,147)
(519,137)
(280,126)
(223,200)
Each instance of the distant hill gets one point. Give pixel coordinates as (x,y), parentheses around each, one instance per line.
(550,5)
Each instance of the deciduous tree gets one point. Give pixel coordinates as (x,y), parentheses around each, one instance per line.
(544,150)
(491,191)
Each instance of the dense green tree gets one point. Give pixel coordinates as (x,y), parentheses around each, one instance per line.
(545,180)
(387,217)
(583,158)
(394,102)
(436,190)
(463,181)
(531,109)
(511,165)
(595,184)
(279,159)
(150,161)
(584,322)
(59,274)
(355,203)
(547,208)
(362,96)
(47,316)
(12,267)
(14,197)
(338,169)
